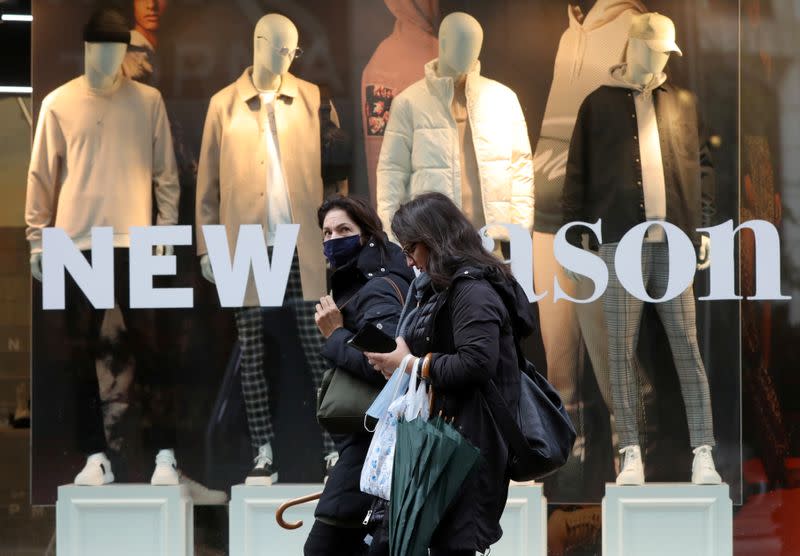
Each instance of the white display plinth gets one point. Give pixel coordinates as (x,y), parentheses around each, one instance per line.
(254,531)
(667,519)
(524,522)
(122,520)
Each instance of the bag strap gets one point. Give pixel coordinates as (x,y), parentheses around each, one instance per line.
(396,289)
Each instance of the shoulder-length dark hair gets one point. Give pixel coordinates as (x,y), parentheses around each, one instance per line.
(453,243)
(360,212)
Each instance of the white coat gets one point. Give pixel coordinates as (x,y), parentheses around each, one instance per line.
(420,151)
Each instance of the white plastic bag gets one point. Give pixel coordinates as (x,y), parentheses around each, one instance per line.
(376,475)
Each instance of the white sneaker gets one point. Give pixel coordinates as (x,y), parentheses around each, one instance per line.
(96,472)
(263,474)
(166,471)
(202,495)
(632,469)
(703,470)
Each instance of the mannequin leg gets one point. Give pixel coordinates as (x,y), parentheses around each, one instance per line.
(83,329)
(154,364)
(592,321)
(560,332)
(623,314)
(679,319)
(254,384)
(311,341)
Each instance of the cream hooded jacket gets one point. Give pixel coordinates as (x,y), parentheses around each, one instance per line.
(586,51)
(420,149)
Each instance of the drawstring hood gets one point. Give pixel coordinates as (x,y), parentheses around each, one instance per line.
(619,80)
(602,13)
(422,14)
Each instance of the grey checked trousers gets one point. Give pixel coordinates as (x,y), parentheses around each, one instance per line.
(623,314)
(255,390)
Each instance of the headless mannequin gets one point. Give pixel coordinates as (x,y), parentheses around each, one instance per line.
(102,62)
(273,33)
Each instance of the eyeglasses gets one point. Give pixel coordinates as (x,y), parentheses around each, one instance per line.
(292,54)
(409,249)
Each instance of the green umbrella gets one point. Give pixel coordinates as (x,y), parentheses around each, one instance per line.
(427,481)
(437,449)
(413,449)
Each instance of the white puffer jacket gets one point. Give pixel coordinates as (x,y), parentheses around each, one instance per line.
(420,151)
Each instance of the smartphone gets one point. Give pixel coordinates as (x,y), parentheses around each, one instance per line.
(371,338)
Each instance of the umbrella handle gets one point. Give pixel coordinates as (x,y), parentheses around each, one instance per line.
(295,502)
(425,373)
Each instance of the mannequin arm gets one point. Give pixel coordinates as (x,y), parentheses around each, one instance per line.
(704,256)
(522,171)
(165,170)
(394,164)
(708,182)
(47,152)
(576,175)
(207,199)
(36,265)
(205,268)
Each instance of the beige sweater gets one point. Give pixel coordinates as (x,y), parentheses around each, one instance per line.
(96,160)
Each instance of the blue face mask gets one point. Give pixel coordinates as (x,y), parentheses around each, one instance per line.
(342,250)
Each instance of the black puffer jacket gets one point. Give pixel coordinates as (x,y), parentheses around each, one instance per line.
(364,290)
(469,330)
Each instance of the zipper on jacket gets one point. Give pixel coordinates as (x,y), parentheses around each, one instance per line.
(366,519)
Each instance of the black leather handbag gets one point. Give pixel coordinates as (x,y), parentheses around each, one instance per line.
(539,434)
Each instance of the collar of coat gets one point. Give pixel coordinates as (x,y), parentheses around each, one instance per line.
(443,86)
(246,90)
(372,262)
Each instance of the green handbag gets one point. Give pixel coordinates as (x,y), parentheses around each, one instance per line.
(342,402)
(343,399)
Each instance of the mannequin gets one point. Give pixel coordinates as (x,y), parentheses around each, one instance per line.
(490,174)
(117,191)
(643,114)
(278,121)
(594,39)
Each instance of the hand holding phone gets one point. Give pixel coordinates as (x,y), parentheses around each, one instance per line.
(371,339)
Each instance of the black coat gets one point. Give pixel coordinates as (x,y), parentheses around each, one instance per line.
(363,292)
(604,173)
(468,329)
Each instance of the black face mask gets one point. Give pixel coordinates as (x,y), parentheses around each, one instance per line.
(342,250)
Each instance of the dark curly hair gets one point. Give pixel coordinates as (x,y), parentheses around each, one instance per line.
(453,243)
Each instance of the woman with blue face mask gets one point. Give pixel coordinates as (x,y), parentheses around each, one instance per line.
(369,281)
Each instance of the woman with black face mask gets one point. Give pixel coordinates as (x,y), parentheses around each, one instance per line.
(369,282)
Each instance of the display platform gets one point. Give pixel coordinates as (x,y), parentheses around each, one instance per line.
(665,519)
(124,520)
(254,531)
